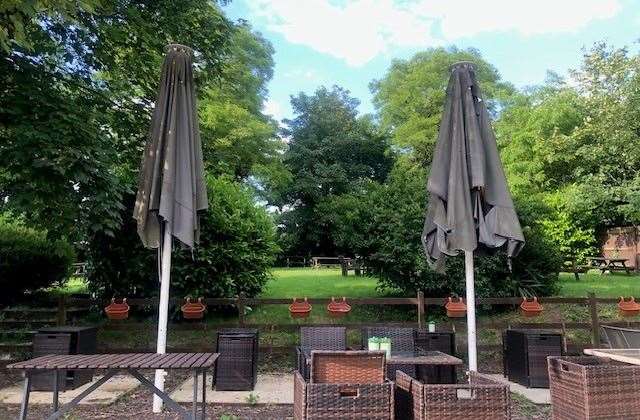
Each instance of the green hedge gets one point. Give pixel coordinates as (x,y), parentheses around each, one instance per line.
(29,261)
(237,248)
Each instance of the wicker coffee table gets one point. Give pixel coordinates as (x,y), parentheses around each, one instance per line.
(198,363)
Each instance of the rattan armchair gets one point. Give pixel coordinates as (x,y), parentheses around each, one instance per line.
(318,338)
(402,339)
(344,385)
(481,399)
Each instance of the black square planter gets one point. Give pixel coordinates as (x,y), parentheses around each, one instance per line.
(525,355)
(63,340)
(237,366)
(440,341)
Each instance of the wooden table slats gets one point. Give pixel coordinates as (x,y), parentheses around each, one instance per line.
(198,363)
(121,361)
(190,361)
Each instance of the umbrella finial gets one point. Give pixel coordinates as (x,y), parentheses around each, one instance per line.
(178,47)
(463,64)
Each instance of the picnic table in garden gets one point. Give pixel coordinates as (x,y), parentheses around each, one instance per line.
(609,264)
(198,363)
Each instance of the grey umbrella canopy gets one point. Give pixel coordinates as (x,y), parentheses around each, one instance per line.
(171,186)
(470,203)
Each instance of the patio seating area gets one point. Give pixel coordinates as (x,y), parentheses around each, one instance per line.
(360,383)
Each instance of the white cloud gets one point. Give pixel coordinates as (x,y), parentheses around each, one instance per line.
(356,31)
(273,108)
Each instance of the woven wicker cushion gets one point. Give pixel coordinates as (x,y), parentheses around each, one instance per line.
(323,338)
(347,367)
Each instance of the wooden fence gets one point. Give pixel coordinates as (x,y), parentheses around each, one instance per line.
(421,304)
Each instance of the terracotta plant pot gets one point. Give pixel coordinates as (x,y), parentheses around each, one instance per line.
(338,309)
(117,310)
(300,309)
(193,310)
(530,308)
(455,309)
(628,307)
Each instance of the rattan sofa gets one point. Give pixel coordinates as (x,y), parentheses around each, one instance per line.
(481,399)
(344,385)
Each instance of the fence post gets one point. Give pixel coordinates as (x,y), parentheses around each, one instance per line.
(420,309)
(595,322)
(61,318)
(240,306)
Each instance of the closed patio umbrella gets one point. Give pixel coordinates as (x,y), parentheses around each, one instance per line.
(470,204)
(171,187)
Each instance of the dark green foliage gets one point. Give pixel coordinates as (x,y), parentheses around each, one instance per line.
(331,152)
(237,248)
(387,230)
(29,261)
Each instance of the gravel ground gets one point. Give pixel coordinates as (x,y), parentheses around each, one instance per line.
(137,405)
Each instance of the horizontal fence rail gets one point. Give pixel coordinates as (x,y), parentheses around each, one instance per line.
(67,307)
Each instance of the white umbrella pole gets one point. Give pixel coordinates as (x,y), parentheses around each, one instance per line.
(163,311)
(471,312)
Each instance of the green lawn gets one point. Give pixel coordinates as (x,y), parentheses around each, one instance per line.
(603,285)
(323,282)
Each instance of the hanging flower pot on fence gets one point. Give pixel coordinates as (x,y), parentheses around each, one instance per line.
(117,310)
(300,309)
(338,309)
(530,308)
(628,307)
(193,310)
(455,309)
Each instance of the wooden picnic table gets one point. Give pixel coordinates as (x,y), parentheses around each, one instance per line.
(609,264)
(631,356)
(130,363)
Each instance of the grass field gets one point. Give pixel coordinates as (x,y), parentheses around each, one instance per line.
(327,282)
(603,285)
(323,282)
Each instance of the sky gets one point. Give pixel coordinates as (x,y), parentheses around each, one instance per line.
(352,42)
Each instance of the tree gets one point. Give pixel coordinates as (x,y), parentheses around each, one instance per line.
(78,87)
(237,248)
(237,138)
(572,148)
(409,99)
(331,151)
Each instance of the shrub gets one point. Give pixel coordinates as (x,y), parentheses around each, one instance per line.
(29,261)
(401,263)
(237,248)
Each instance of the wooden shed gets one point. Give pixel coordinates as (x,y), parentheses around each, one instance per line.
(623,242)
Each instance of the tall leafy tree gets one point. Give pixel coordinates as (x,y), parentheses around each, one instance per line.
(238,139)
(78,85)
(410,97)
(572,148)
(331,152)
